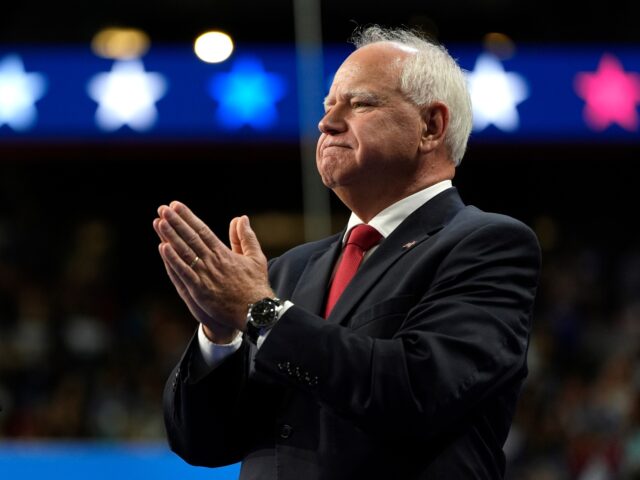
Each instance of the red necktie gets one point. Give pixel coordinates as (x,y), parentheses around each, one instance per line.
(361,238)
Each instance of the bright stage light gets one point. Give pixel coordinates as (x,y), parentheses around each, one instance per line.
(495,93)
(19,92)
(127,95)
(120,43)
(213,47)
(499,44)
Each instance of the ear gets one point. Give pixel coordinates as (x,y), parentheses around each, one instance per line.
(435,118)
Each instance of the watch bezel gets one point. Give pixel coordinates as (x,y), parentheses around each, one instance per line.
(262,317)
(257,321)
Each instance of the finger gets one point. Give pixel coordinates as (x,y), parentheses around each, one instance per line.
(184,294)
(181,288)
(156,227)
(198,312)
(188,296)
(248,239)
(170,236)
(200,228)
(188,235)
(234,239)
(186,274)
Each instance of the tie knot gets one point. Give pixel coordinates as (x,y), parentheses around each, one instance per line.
(364,236)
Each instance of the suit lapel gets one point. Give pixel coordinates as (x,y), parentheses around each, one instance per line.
(410,234)
(311,290)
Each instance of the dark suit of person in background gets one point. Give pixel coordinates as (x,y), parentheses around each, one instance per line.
(416,371)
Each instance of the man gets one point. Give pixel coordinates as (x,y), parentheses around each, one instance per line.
(412,372)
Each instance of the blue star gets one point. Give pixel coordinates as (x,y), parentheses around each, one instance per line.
(247,95)
(19,91)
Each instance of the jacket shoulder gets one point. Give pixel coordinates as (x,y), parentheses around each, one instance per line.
(492,218)
(471,221)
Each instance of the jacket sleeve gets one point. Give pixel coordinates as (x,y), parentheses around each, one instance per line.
(464,337)
(202,414)
(207,413)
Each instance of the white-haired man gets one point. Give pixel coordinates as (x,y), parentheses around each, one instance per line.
(395,349)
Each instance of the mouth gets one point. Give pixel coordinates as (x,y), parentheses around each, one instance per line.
(335,145)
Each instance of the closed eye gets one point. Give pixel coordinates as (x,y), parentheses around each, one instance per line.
(366,101)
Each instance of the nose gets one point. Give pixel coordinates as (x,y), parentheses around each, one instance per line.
(332,122)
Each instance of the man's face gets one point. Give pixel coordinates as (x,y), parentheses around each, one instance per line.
(370,132)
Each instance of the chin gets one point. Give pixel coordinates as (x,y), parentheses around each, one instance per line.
(328,181)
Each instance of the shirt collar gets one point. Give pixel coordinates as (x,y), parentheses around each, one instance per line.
(388,219)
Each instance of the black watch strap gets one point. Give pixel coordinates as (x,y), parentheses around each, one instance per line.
(252,333)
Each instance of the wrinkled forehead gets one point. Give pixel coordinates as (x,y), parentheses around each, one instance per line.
(378,63)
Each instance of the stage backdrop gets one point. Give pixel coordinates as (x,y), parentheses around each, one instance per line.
(101,461)
(538,93)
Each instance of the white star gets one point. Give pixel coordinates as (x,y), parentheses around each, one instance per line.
(495,94)
(127,96)
(19,91)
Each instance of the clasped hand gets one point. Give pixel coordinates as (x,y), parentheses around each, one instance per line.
(216,282)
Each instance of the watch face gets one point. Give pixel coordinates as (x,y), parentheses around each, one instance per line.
(263,313)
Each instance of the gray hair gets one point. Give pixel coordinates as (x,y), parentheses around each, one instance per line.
(430,75)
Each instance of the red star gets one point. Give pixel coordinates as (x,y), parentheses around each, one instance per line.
(610,94)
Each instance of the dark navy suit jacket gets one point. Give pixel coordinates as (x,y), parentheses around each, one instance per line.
(415,375)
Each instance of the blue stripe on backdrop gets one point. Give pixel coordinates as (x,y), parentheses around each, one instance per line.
(540,93)
(97,461)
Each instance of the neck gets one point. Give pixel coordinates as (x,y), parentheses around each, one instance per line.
(366,204)
(367,201)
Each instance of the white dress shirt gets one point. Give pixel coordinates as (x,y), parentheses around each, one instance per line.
(385,222)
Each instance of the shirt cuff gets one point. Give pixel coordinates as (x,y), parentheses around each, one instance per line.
(214,354)
(286,306)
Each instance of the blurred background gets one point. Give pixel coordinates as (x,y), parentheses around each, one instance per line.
(90,326)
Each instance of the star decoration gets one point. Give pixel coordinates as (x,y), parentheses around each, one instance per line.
(611,95)
(495,94)
(127,96)
(247,95)
(19,91)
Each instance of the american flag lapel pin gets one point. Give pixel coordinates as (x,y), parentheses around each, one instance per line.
(408,245)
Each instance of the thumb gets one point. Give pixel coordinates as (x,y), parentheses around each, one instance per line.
(248,240)
(234,239)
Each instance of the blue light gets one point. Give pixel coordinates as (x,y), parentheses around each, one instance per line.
(127,95)
(247,95)
(98,461)
(255,98)
(19,92)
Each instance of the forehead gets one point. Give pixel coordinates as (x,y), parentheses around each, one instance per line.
(373,67)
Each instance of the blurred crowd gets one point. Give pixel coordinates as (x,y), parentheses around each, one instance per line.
(85,351)
(579,415)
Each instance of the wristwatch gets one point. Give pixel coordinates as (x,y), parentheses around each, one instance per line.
(261,316)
